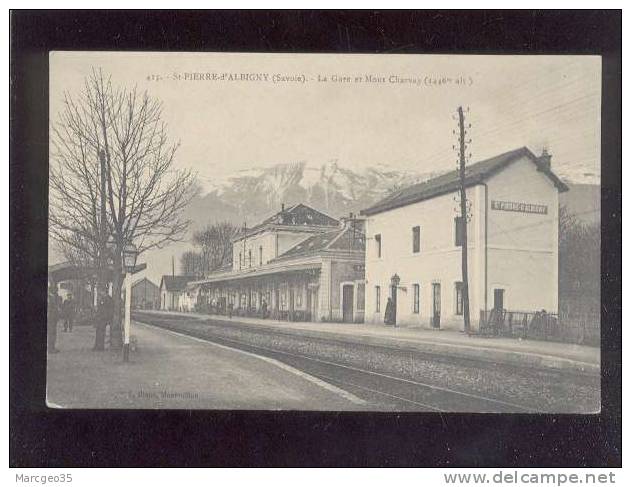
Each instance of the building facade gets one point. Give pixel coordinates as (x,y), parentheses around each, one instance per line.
(76,281)
(145,295)
(414,244)
(299,265)
(173,293)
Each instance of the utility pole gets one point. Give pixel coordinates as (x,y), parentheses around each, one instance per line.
(463,223)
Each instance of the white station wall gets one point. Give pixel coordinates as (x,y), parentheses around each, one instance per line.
(522,255)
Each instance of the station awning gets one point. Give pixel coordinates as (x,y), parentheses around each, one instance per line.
(65,271)
(255,273)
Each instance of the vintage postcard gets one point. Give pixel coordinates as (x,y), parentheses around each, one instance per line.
(324,232)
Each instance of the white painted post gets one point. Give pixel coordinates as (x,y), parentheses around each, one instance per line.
(127,326)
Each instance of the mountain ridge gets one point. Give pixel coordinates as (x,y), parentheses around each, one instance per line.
(330,187)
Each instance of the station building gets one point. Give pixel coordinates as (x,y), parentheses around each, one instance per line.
(299,264)
(173,293)
(145,295)
(414,244)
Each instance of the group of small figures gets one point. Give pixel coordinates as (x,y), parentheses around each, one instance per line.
(65,310)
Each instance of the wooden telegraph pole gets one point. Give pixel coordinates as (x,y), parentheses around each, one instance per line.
(463,222)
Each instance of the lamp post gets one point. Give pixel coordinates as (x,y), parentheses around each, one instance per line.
(130,253)
(395,280)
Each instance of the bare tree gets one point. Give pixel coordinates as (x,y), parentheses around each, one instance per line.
(191,264)
(579,264)
(122,131)
(78,251)
(83,255)
(215,243)
(77,219)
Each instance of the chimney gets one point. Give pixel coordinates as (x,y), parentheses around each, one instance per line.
(545,159)
(347,221)
(282,207)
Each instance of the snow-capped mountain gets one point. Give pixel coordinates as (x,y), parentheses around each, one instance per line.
(256,193)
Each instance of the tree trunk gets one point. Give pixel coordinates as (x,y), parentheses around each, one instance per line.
(116,333)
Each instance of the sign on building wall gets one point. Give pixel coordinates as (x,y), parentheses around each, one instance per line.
(519,207)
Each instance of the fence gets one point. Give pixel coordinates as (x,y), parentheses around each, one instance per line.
(582,329)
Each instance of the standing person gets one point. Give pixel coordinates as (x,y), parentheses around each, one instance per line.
(264,309)
(104,316)
(53,318)
(230,310)
(68,310)
(387,317)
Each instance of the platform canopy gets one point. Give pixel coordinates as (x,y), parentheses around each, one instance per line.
(254,273)
(66,271)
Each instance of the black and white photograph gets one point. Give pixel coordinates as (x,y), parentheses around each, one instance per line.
(324,232)
(381,245)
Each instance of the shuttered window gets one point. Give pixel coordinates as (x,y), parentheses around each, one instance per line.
(459,298)
(416,239)
(416,288)
(458,231)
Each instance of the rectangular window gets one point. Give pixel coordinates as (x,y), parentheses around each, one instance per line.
(377,299)
(378,245)
(261,255)
(459,304)
(417,298)
(458,231)
(250,257)
(416,239)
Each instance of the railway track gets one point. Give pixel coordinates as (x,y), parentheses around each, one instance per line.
(382,391)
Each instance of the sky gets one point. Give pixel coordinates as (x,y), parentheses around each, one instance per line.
(285,108)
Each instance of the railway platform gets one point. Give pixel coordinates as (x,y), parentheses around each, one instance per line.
(174,371)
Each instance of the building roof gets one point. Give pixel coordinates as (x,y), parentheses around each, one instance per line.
(145,281)
(304,256)
(175,283)
(342,239)
(255,272)
(449,182)
(299,215)
(67,271)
